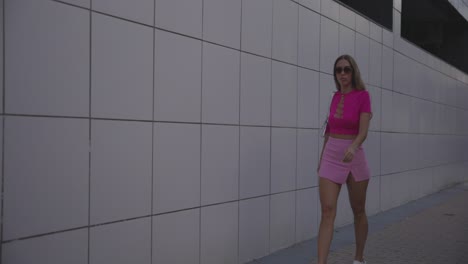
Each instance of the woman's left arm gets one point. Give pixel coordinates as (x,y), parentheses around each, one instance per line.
(364,122)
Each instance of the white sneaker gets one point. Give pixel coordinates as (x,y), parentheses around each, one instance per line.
(359,262)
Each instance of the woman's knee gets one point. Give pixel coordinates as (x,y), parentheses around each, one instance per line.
(359,210)
(329,211)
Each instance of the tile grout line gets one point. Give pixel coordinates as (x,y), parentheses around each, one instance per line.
(152,227)
(3,63)
(391,94)
(200,211)
(89,126)
(226,124)
(271,121)
(319,140)
(380,126)
(2,176)
(2,191)
(239,137)
(297,122)
(231,124)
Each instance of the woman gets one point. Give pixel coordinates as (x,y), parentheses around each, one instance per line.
(342,159)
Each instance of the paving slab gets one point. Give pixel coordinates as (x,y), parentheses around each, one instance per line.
(430,230)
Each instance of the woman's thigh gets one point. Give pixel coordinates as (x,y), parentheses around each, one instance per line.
(329,192)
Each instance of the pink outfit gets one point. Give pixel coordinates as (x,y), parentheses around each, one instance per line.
(354,103)
(333,167)
(344,119)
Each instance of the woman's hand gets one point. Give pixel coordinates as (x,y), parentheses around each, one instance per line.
(349,154)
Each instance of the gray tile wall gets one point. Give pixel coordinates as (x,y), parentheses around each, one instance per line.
(186,131)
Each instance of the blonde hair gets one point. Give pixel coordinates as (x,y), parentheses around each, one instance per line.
(356,80)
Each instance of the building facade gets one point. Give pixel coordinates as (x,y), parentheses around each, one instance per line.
(187,131)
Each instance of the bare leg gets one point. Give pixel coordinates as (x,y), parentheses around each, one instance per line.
(329,192)
(357,198)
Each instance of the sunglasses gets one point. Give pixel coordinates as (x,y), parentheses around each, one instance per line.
(346,70)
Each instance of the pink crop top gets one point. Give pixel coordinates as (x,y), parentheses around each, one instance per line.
(345,112)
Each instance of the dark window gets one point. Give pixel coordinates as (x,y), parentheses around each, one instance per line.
(437,27)
(380,11)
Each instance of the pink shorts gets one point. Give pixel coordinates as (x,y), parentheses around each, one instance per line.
(333,168)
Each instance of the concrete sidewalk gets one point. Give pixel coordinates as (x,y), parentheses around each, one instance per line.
(431,230)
